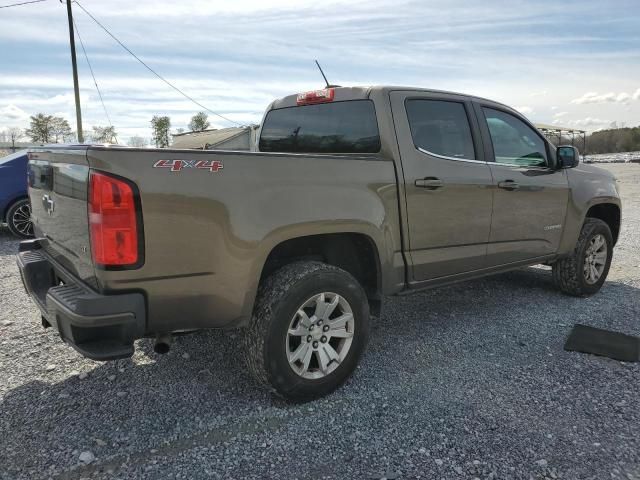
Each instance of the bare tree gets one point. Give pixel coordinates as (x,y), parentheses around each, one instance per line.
(62,130)
(104,134)
(14,134)
(137,141)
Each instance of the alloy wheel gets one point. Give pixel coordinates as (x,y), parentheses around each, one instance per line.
(21,220)
(595,259)
(320,335)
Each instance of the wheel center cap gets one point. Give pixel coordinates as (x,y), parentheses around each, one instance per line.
(316,333)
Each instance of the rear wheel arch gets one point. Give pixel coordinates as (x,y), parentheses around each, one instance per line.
(17,218)
(608,213)
(356,253)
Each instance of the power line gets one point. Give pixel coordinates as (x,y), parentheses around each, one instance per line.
(21,3)
(150,69)
(95,82)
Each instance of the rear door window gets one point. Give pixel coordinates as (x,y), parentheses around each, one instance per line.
(338,127)
(441,127)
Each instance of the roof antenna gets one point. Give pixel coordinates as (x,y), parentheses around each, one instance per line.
(324,76)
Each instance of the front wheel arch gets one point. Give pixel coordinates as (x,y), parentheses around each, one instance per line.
(609,213)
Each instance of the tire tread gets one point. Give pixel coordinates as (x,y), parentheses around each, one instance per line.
(565,272)
(270,293)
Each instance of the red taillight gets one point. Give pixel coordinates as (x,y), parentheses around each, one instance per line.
(113,221)
(316,96)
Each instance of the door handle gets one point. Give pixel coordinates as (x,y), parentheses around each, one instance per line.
(508,185)
(430,183)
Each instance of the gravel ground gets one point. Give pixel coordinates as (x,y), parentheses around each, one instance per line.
(469,381)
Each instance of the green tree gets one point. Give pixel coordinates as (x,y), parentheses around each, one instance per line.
(104,134)
(161,127)
(199,122)
(41,128)
(614,140)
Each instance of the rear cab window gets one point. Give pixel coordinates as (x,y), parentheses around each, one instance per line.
(337,127)
(441,127)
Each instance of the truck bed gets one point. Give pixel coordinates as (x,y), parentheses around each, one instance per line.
(210,219)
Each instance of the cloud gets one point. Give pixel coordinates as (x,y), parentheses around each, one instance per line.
(236,57)
(623,98)
(525,110)
(590,122)
(560,114)
(13,114)
(611,97)
(587,123)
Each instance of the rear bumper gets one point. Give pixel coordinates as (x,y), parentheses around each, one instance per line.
(100,327)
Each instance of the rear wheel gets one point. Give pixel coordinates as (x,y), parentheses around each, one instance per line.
(583,273)
(308,331)
(19,219)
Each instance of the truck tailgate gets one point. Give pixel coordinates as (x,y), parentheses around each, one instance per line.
(58,186)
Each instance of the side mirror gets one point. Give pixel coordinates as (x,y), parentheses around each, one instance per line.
(568,156)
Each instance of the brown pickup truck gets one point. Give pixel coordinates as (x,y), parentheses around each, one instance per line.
(355,193)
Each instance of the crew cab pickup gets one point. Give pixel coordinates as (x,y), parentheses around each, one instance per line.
(354,194)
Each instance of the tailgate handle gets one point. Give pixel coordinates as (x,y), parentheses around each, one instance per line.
(430,183)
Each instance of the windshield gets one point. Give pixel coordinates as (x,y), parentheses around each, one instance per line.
(13,156)
(340,127)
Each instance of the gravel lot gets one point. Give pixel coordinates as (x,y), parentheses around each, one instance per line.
(469,381)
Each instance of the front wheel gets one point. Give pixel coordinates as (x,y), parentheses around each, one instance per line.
(309,328)
(583,273)
(19,219)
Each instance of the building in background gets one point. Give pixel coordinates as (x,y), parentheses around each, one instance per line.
(565,136)
(235,138)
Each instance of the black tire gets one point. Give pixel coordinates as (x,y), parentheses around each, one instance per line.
(568,273)
(15,219)
(279,298)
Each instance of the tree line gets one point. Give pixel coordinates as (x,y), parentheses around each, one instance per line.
(611,140)
(51,129)
(614,140)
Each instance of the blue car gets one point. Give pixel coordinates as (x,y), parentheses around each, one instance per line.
(15,209)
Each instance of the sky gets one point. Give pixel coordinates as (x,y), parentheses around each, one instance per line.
(572,63)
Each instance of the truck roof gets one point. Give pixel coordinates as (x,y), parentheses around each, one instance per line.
(364,92)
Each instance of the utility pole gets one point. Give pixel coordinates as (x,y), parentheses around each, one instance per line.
(74,64)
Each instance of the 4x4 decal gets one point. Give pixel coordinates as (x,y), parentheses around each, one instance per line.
(178,165)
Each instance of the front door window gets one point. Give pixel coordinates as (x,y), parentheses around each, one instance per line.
(514,142)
